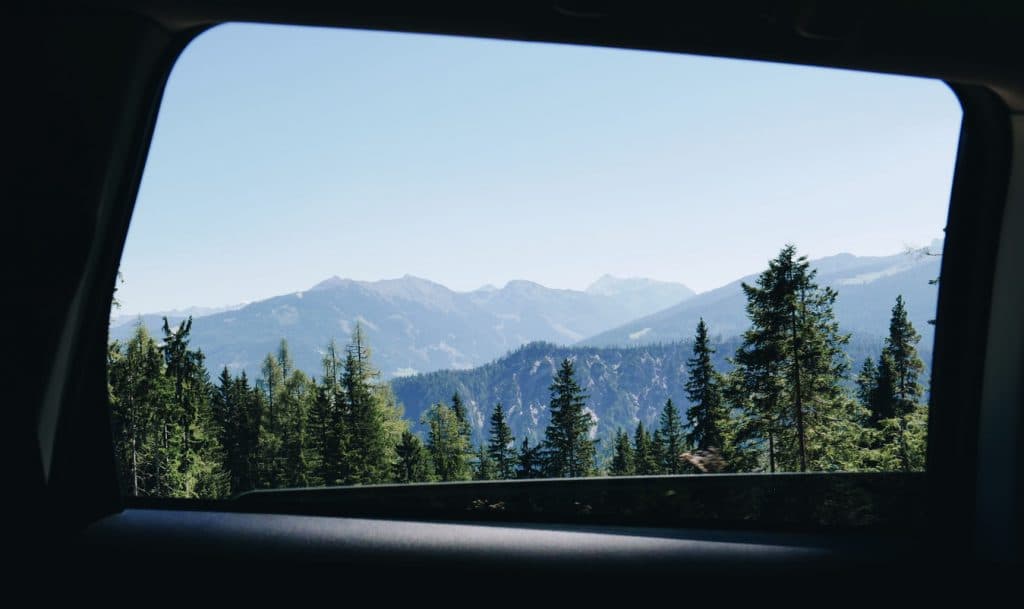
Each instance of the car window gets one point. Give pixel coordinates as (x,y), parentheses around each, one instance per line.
(366,258)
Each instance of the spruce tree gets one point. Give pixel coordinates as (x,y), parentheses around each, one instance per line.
(705,416)
(895,404)
(367,442)
(793,364)
(412,459)
(645,462)
(250,400)
(569,451)
(229,415)
(270,384)
(530,463)
(882,397)
(622,461)
(867,380)
(459,408)
(901,347)
(448,448)
(671,439)
(501,447)
(325,420)
(139,396)
(296,397)
(483,466)
(194,444)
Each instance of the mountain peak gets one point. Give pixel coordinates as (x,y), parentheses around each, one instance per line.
(523,285)
(610,285)
(331,282)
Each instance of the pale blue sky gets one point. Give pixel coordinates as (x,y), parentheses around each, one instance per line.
(285,155)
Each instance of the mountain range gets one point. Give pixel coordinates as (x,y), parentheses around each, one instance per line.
(415,325)
(867,287)
(629,338)
(623,384)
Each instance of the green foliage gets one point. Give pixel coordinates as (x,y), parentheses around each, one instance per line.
(901,347)
(285,444)
(325,421)
(569,451)
(449,449)
(367,419)
(483,465)
(530,463)
(622,462)
(236,413)
(892,394)
(791,364)
(459,408)
(867,381)
(191,457)
(704,417)
(140,395)
(671,440)
(501,446)
(785,406)
(645,460)
(412,464)
(899,443)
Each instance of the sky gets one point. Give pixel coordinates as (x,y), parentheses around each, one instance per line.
(285,155)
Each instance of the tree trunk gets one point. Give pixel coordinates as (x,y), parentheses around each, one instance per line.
(798,401)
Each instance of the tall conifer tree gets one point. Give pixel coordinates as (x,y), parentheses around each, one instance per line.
(501,447)
(792,363)
(622,461)
(412,459)
(530,464)
(706,414)
(671,439)
(448,448)
(366,442)
(645,462)
(569,451)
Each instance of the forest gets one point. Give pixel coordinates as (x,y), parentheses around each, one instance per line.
(789,403)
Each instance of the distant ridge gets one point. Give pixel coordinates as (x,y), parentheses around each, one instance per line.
(413,324)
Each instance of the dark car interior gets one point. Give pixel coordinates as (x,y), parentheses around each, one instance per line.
(86,80)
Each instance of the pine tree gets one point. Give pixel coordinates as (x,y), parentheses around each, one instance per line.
(270,384)
(671,440)
(192,446)
(139,395)
(793,364)
(412,460)
(901,347)
(448,448)
(569,450)
(459,408)
(530,461)
(367,443)
(228,413)
(881,402)
(705,416)
(645,462)
(895,399)
(757,386)
(622,462)
(867,382)
(296,395)
(483,466)
(325,425)
(250,401)
(501,447)
(285,442)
